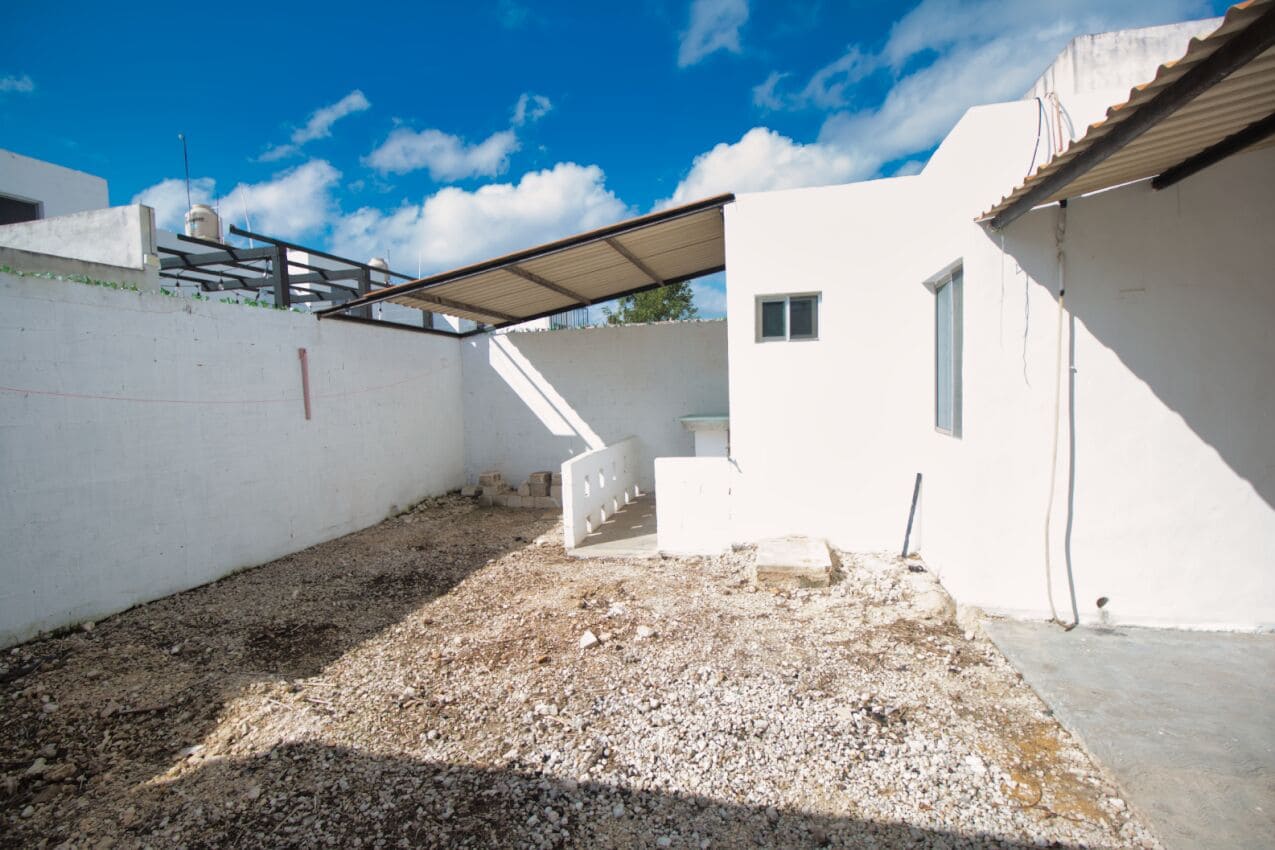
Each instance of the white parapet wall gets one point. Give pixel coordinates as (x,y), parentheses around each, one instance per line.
(595,485)
(116,236)
(692,513)
(152,443)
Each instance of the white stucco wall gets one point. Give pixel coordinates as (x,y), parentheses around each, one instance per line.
(59,190)
(1171,515)
(167,445)
(534,400)
(115,236)
(1096,71)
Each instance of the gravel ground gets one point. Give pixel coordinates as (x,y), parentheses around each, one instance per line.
(423,684)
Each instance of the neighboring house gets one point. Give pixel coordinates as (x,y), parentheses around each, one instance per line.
(31,189)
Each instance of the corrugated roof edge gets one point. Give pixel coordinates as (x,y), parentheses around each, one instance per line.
(1236,17)
(625,226)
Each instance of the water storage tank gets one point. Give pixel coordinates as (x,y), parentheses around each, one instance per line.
(202,223)
(383,264)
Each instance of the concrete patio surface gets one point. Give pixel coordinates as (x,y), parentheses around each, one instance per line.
(630,533)
(1185,721)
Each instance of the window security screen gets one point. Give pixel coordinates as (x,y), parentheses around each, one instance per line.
(801,318)
(772,320)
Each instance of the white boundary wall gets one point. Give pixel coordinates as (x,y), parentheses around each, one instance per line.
(595,485)
(164,444)
(535,399)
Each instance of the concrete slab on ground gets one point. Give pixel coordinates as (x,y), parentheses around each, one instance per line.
(630,533)
(1185,721)
(792,562)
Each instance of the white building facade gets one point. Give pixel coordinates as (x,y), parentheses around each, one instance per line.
(1154,505)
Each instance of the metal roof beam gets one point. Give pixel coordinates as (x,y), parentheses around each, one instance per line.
(447,303)
(236,231)
(1246,46)
(548,249)
(1231,145)
(628,255)
(230,256)
(643,288)
(547,284)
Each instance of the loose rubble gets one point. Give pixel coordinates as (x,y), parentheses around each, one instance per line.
(422,684)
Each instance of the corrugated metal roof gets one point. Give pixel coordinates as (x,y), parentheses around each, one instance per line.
(1222,109)
(669,246)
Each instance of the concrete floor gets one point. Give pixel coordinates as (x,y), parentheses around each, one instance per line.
(628,534)
(1185,721)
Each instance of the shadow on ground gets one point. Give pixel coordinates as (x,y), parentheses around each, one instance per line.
(120,703)
(308,795)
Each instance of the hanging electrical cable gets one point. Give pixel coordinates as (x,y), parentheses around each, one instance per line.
(1059,234)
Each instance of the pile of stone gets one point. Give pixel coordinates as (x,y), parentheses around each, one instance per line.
(540,490)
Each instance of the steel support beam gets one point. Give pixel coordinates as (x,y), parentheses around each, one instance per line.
(1247,45)
(1232,144)
(633,260)
(279,270)
(447,303)
(532,277)
(232,256)
(626,293)
(270,240)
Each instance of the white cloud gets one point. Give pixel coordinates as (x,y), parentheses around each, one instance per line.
(22,85)
(295,203)
(766,95)
(714,25)
(995,58)
(949,55)
(763,160)
(454,226)
(710,295)
(531,107)
(168,199)
(446,156)
(319,125)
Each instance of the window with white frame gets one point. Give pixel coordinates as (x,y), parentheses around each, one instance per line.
(948,338)
(788,317)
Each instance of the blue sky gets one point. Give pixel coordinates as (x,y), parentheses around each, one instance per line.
(438,134)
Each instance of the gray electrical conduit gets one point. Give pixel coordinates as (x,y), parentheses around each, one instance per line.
(1053,455)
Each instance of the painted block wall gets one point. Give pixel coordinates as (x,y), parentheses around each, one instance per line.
(163,443)
(116,236)
(595,485)
(59,190)
(692,514)
(1170,512)
(536,399)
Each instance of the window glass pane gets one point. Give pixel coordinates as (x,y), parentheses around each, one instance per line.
(772,319)
(943,357)
(801,318)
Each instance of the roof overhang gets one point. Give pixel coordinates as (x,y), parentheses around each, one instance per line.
(669,246)
(1217,100)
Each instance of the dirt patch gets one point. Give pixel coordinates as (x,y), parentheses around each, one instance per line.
(422,683)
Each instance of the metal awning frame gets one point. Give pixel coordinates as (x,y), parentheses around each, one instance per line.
(1128,121)
(222,269)
(511,263)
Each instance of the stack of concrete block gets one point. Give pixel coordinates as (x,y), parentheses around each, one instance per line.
(541,490)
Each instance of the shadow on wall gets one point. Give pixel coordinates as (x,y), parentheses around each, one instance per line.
(536,399)
(305,794)
(1177,290)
